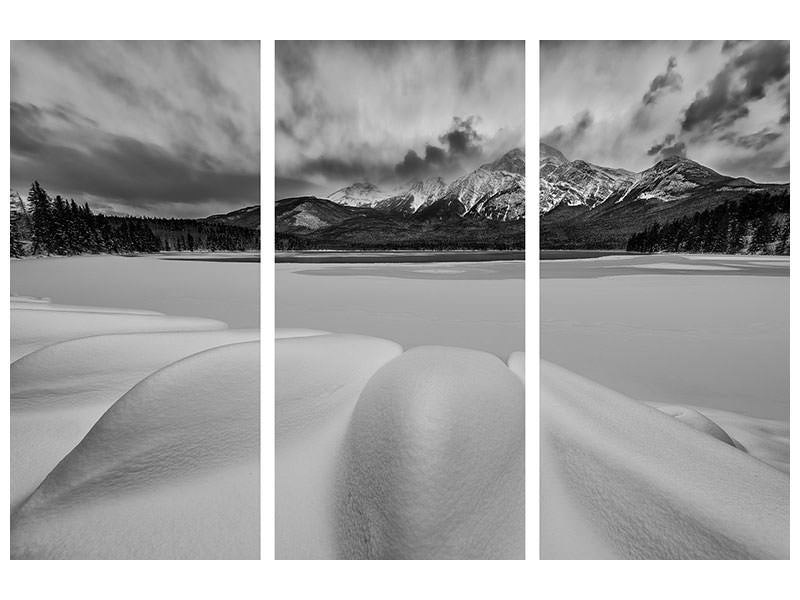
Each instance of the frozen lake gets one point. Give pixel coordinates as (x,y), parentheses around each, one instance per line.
(479,305)
(217,286)
(708,331)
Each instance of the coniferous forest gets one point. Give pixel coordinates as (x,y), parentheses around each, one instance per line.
(45,225)
(756,224)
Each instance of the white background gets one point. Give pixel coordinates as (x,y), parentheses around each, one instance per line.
(411,19)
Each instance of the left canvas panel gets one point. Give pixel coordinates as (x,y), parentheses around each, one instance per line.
(135,300)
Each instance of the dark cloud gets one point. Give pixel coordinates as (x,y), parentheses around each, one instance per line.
(754,141)
(121,168)
(729,45)
(565,135)
(668,147)
(461,140)
(669,80)
(742,80)
(435,155)
(678,149)
(412,165)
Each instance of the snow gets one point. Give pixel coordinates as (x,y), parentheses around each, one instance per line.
(482,308)
(32,329)
(317,383)
(59,392)
(169,471)
(134,434)
(434,460)
(516,362)
(683,267)
(664,400)
(703,338)
(620,479)
(225,291)
(392,454)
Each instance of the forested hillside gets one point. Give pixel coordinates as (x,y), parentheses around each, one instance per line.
(756,224)
(45,225)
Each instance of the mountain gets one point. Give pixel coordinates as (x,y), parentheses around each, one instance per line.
(477,187)
(310,214)
(419,195)
(481,209)
(582,205)
(359,194)
(497,186)
(248,217)
(576,183)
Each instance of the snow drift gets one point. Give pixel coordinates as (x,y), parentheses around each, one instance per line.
(133,435)
(385,454)
(621,479)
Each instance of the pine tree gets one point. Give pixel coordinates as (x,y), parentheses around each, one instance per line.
(41,218)
(16,242)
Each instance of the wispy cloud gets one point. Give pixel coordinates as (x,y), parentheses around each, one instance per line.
(724,104)
(389,111)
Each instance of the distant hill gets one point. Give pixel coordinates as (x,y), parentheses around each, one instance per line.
(582,205)
(249,217)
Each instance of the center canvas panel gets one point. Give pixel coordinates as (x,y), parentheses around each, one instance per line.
(399,300)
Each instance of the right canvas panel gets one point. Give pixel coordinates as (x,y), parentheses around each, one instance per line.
(664,232)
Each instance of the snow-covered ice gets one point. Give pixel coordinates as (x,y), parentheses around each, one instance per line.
(224,291)
(478,305)
(716,339)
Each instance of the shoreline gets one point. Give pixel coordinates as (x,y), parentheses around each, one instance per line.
(398,256)
(551,254)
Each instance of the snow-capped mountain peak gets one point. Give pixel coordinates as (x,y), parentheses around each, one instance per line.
(358,194)
(495,190)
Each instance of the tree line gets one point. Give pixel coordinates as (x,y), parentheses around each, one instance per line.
(45,225)
(756,224)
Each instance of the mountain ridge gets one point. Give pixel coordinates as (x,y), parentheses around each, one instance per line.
(582,205)
(472,210)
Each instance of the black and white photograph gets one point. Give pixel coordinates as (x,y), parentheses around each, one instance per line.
(399,300)
(664,299)
(135,251)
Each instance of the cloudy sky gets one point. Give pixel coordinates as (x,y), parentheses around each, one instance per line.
(155,128)
(392,112)
(630,104)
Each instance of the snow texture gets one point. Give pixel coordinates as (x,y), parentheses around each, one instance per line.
(133,434)
(620,479)
(382,453)
(169,471)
